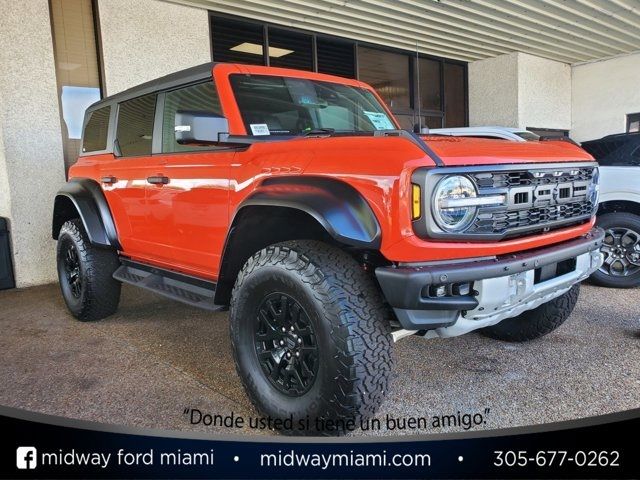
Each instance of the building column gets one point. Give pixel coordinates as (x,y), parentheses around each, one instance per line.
(520,90)
(31,158)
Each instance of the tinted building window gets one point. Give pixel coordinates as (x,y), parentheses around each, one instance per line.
(96,130)
(200,98)
(388,73)
(290,49)
(237,42)
(424,91)
(430,97)
(336,58)
(454,96)
(135,125)
(77,72)
(433,122)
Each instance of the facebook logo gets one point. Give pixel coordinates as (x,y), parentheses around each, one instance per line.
(26,458)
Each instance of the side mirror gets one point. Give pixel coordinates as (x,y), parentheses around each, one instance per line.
(200,128)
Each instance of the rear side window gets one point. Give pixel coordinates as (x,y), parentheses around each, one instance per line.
(202,97)
(135,125)
(96,130)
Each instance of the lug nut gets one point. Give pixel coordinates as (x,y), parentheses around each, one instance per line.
(288,354)
(291,328)
(284,329)
(281,342)
(299,340)
(297,354)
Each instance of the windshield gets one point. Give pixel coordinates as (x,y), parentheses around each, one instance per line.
(295,106)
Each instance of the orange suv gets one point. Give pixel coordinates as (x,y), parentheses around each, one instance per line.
(295,200)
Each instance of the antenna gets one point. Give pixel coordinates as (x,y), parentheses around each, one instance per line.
(418,82)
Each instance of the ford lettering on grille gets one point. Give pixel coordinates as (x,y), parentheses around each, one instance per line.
(567,192)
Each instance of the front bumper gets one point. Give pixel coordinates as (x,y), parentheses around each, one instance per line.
(501,287)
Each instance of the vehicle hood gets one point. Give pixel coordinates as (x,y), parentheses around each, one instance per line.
(460,151)
(386,156)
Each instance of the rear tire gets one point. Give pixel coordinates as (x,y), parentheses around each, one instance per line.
(336,336)
(535,323)
(85,274)
(627,248)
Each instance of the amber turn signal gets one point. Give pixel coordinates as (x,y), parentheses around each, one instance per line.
(416,204)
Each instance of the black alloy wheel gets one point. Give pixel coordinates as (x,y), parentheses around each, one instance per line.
(72,270)
(286,344)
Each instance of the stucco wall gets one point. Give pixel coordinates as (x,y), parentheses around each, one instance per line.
(520,90)
(544,93)
(603,94)
(493,91)
(31,161)
(146,39)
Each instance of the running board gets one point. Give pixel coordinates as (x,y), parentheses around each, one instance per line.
(176,286)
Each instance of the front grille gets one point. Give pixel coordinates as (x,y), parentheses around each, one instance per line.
(565,190)
(537,199)
(532,177)
(503,222)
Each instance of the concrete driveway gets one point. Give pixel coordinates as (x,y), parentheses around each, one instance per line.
(154,358)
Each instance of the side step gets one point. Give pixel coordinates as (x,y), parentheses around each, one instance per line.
(176,286)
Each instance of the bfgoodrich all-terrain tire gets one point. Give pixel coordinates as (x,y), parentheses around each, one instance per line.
(537,322)
(85,274)
(621,248)
(311,338)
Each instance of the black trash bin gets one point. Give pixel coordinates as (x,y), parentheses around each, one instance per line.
(6,267)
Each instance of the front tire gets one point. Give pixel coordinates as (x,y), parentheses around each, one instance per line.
(310,337)
(85,274)
(535,323)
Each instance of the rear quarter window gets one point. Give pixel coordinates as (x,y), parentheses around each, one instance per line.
(134,133)
(96,130)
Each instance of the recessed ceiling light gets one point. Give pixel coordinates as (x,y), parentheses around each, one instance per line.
(255,49)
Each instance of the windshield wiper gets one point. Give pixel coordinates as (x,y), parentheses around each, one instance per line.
(319,131)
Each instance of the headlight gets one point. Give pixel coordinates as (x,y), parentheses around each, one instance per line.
(451,211)
(594,194)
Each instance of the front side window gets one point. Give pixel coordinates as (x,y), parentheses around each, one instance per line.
(294,106)
(199,98)
(135,126)
(96,130)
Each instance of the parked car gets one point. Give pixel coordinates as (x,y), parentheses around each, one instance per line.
(619,211)
(295,199)
(506,133)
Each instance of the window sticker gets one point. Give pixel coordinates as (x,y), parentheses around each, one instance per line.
(260,129)
(380,120)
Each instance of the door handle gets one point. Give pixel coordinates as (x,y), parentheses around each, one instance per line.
(110,179)
(158,180)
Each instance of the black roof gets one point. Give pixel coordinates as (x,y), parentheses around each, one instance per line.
(621,149)
(193,74)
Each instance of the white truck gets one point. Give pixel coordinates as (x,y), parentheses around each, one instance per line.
(619,210)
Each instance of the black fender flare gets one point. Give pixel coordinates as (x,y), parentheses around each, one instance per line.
(337,206)
(89,201)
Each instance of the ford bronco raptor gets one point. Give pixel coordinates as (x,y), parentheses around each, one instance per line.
(295,200)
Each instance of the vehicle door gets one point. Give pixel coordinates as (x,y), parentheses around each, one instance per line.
(123,174)
(188,188)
